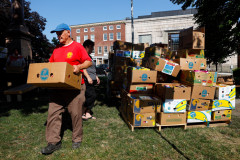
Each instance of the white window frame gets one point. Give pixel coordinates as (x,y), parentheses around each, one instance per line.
(104,37)
(117,35)
(92,29)
(104,28)
(78,39)
(118,26)
(111,27)
(105,47)
(85,29)
(110,36)
(85,37)
(77,30)
(111,48)
(100,50)
(93,37)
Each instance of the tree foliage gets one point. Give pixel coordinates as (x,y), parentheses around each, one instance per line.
(33,21)
(222,23)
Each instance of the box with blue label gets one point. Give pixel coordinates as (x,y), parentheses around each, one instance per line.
(173,91)
(141,119)
(53,75)
(199,116)
(122,53)
(144,103)
(199,105)
(190,53)
(164,65)
(140,88)
(171,118)
(202,78)
(174,106)
(203,92)
(222,115)
(222,104)
(141,75)
(191,64)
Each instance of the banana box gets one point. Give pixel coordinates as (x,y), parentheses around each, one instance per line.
(201,78)
(163,65)
(199,105)
(140,88)
(190,53)
(138,54)
(141,76)
(225,91)
(191,64)
(144,103)
(222,104)
(141,119)
(173,91)
(199,116)
(119,53)
(221,115)
(156,51)
(171,118)
(174,105)
(203,92)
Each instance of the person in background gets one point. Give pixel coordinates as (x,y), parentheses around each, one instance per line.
(60,99)
(91,80)
(16,60)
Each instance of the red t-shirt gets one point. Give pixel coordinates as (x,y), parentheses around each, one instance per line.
(73,53)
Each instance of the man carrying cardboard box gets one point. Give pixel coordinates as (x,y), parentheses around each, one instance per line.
(72,100)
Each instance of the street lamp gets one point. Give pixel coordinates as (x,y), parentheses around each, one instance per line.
(132,24)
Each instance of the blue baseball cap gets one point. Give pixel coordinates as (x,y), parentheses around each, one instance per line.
(61,27)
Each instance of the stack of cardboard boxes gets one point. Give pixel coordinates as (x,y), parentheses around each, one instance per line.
(173,87)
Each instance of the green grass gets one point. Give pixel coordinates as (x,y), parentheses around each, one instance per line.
(22,136)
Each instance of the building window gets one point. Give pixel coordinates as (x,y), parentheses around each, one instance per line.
(118,35)
(85,30)
(111,48)
(85,37)
(118,26)
(99,50)
(93,37)
(105,37)
(110,36)
(93,51)
(78,39)
(104,28)
(146,38)
(77,30)
(110,27)
(105,49)
(92,29)
(173,41)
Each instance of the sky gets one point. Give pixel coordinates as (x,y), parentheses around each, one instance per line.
(74,12)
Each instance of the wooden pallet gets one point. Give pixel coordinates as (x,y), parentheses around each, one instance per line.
(197,125)
(220,123)
(159,126)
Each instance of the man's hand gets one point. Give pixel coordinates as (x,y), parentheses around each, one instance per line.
(76,68)
(90,81)
(98,80)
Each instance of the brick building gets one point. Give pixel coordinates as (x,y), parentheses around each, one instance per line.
(103,34)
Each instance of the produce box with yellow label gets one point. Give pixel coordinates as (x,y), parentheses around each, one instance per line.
(199,116)
(142,119)
(221,115)
(174,105)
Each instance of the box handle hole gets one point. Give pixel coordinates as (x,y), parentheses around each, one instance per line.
(51,74)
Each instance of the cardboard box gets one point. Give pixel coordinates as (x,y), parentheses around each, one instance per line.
(225,91)
(164,66)
(138,54)
(201,78)
(199,116)
(123,61)
(54,75)
(188,64)
(192,39)
(156,51)
(171,118)
(122,53)
(199,104)
(174,105)
(190,53)
(203,92)
(142,119)
(140,88)
(141,76)
(144,103)
(172,91)
(222,115)
(222,104)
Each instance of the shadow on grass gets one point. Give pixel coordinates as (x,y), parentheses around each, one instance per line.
(35,101)
(172,145)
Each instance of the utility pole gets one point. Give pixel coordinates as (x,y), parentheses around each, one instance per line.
(132,24)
